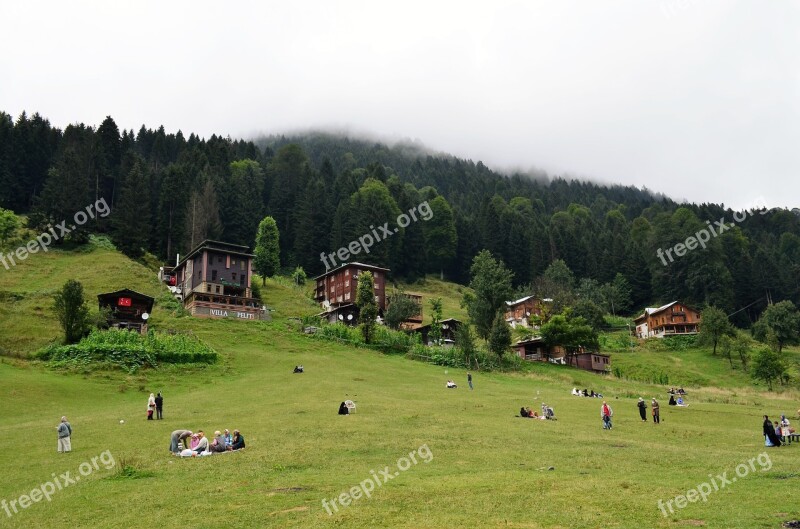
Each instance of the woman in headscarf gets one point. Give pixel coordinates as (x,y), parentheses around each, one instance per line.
(343,409)
(151,407)
(770,437)
(642,408)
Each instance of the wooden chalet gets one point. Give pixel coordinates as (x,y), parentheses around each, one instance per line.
(518,312)
(534,349)
(127,309)
(336,289)
(450,327)
(214,282)
(597,362)
(672,319)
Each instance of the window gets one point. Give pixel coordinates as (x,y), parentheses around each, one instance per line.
(241,265)
(217,289)
(219,258)
(347,283)
(233,276)
(213,275)
(347,295)
(241,279)
(208,288)
(233,262)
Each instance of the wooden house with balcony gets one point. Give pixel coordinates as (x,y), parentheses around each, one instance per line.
(672,319)
(214,282)
(534,349)
(336,289)
(518,312)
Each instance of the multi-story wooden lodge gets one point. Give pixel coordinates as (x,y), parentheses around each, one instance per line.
(518,312)
(668,320)
(336,290)
(214,280)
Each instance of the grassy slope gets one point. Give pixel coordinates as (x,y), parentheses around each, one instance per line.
(487,465)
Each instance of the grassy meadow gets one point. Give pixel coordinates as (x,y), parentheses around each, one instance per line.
(488,468)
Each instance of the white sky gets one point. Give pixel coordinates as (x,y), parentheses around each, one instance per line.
(699,99)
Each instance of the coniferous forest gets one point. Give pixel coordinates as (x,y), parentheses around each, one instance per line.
(168,192)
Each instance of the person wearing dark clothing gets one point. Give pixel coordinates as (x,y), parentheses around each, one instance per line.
(469,380)
(159,406)
(672,400)
(298,369)
(238,441)
(343,409)
(523,412)
(656,415)
(642,409)
(770,437)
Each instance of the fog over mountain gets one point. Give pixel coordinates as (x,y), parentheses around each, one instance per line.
(698,100)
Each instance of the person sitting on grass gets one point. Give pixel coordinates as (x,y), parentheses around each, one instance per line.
(202,443)
(298,369)
(238,441)
(523,412)
(451,384)
(672,400)
(343,409)
(228,437)
(218,444)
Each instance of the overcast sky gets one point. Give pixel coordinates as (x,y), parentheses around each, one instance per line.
(698,99)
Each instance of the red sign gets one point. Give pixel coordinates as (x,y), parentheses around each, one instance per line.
(124,302)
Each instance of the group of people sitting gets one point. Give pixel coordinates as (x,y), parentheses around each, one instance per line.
(679,402)
(679,391)
(547,413)
(451,385)
(197,444)
(298,369)
(775,432)
(585,393)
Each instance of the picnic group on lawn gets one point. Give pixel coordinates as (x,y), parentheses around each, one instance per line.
(197,444)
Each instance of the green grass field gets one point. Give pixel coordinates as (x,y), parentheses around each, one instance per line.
(488,468)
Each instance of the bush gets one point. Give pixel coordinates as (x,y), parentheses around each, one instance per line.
(129,350)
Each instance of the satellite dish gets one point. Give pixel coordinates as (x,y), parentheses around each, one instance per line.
(444,326)
(341,317)
(528,313)
(145,316)
(326,304)
(349,317)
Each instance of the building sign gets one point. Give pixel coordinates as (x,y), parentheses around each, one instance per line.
(224,313)
(124,302)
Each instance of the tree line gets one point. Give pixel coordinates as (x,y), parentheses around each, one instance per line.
(168,192)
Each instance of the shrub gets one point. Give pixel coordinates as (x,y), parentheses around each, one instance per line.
(129,350)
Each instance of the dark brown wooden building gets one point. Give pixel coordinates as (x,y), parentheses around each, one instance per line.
(450,327)
(336,289)
(534,349)
(214,280)
(127,309)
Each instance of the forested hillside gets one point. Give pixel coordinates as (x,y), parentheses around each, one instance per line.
(169,191)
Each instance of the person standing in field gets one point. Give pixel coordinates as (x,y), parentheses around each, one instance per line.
(469,380)
(656,416)
(64,435)
(606,413)
(642,409)
(151,407)
(159,405)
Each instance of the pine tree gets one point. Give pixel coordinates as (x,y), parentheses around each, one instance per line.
(367,306)
(267,253)
(131,220)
